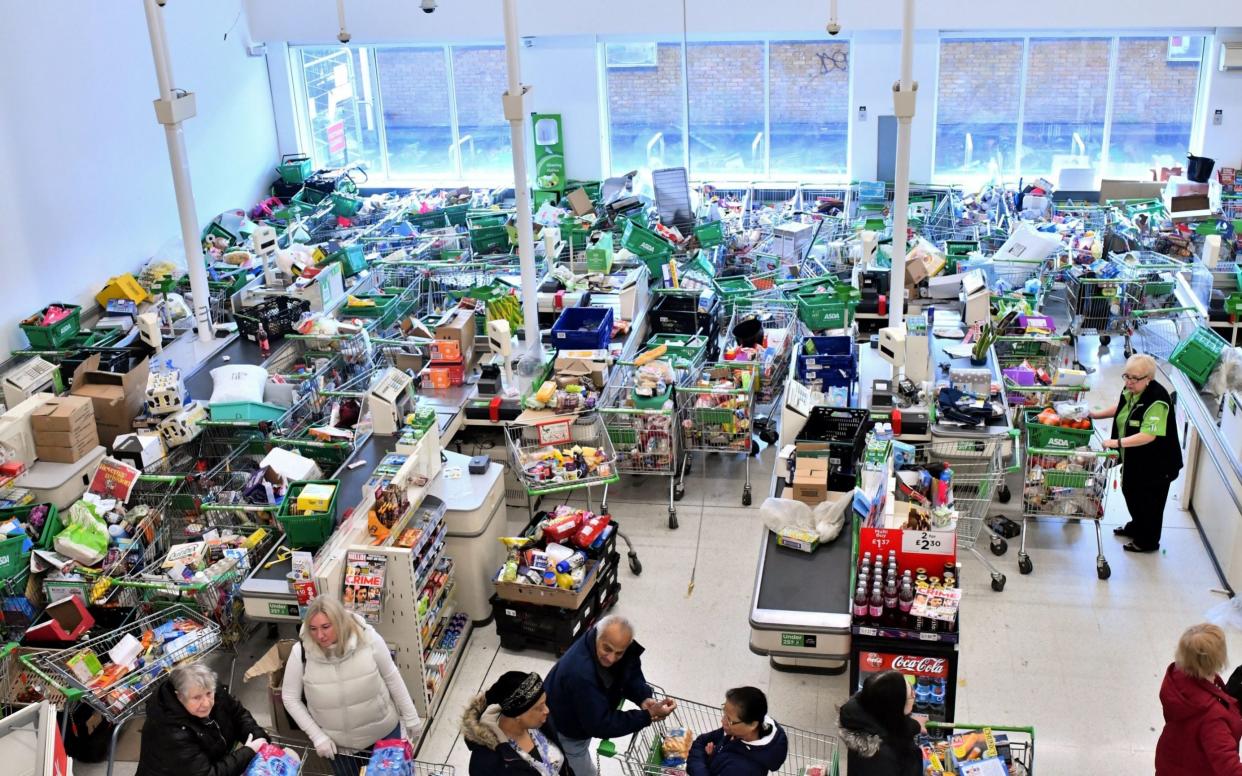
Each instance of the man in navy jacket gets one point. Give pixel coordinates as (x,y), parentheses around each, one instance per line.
(588,684)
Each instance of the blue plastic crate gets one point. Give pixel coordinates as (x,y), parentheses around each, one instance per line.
(838,352)
(583,328)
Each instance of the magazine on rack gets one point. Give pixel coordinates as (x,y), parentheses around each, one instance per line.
(364,584)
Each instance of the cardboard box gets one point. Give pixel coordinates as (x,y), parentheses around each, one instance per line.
(1123,189)
(584,363)
(116,398)
(458,325)
(916,271)
(550,596)
(272,665)
(580,202)
(810,482)
(65,414)
(797,539)
(322,290)
(71,451)
(67,621)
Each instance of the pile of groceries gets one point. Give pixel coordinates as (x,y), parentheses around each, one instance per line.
(554,552)
(971,753)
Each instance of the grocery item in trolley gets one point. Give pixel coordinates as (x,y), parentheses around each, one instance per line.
(555,552)
(274,760)
(566,463)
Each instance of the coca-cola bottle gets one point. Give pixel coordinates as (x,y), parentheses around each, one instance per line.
(875,607)
(860,604)
(890,601)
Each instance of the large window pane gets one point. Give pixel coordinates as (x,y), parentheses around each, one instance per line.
(480,78)
(726,108)
(1066,97)
(809,107)
(1153,104)
(340,106)
(977,106)
(645,107)
(415,88)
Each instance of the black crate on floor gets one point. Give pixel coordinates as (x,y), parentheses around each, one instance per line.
(521,626)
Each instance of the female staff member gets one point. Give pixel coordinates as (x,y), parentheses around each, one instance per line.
(195,728)
(343,689)
(507,730)
(748,742)
(877,729)
(1145,438)
(1202,722)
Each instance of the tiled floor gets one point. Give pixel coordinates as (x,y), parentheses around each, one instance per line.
(1079,659)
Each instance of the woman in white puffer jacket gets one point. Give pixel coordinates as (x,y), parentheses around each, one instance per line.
(343,689)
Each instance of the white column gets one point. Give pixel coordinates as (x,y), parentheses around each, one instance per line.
(171,109)
(515,113)
(904,93)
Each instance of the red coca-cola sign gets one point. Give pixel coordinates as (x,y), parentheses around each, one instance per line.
(915,665)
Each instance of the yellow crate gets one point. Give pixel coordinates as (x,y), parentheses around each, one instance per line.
(122,287)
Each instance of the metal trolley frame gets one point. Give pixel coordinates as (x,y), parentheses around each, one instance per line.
(718,418)
(530,444)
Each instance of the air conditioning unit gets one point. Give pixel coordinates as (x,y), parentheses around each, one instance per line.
(1231,56)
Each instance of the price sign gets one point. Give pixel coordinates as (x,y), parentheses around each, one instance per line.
(927,542)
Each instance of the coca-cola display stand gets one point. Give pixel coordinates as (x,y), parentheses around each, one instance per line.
(930,666)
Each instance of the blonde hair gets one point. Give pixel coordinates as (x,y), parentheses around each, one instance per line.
(342,621)
(1141,361)
(1201,651)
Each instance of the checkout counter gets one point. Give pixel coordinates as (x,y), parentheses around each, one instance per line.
(1212,451)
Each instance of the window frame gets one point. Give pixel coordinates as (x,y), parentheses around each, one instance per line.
(1114,39)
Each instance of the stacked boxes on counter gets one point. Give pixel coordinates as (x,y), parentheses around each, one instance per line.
(572,593)
(453,349)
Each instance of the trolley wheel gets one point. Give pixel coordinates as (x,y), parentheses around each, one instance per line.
(636,565)
(1024,564)
(679,492)
(1003,494)
(686,469)
(754,448)
(1129,351)
(1105,339)
(998,582)
(999,546)
(768,436)
(1103,570)
(603,509)
(746,496)
(672,518)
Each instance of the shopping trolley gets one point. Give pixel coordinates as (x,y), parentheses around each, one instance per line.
(1015,745)
(644,433)
(764,331)
(352,343)
(1029,364)
(310,431)
(1154,317)
(645,754)
(715,411)
(1065,477)
(20,686)
(978,471)
(563,455)
(1094,304)
(174,636)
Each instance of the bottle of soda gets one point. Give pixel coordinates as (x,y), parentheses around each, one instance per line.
(938,689)
(860,605)
(891,601)
(922,695)
(905,600)
(875,607)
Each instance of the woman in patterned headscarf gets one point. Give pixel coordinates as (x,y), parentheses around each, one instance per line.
(508,731)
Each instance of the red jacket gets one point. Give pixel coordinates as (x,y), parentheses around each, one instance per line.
(1202,725)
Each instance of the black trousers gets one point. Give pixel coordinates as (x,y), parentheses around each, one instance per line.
(1145,495)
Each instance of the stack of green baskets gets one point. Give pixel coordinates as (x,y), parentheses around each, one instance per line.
(822,309)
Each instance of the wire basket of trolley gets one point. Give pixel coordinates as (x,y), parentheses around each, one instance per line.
(762,332)
(562,455)
(715,412)
(1065,475)
(949,485)
(959,747)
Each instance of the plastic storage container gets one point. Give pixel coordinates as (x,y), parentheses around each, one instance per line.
(52,337)
(583,328)
(1045,437)
(1199,354)
(308,530)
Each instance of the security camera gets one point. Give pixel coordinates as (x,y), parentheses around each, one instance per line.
(429,6)
(834,28)
(343,37)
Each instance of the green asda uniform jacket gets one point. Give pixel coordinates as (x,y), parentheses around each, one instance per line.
(1150,412)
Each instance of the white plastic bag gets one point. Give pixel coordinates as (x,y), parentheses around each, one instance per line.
(826,519)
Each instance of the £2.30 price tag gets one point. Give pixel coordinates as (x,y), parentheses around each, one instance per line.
(927,542)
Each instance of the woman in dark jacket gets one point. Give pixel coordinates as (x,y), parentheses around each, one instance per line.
(507,730)
(195,728)
(1202,722)
(877,729)
(748,743)
(1145,438)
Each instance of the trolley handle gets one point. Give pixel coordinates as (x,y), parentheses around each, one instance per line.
(951,726)
(1016,437)
(31,663)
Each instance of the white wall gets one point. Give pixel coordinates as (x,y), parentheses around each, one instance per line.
(376,21)
(1224,92)
(875,58)
(88,191)
(564,76)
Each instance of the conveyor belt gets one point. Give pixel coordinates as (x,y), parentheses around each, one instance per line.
(805,582)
